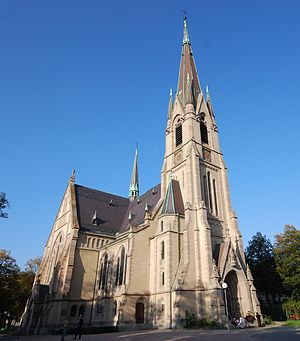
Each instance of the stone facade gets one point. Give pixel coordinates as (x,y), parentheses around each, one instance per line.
(143,261)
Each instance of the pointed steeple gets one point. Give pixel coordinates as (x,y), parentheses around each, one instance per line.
(209,104)
(170,109)
(134,184)
(188,87)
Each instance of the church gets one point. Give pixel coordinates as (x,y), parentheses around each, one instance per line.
(146,260)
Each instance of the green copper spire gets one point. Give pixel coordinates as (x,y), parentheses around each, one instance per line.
(134,184)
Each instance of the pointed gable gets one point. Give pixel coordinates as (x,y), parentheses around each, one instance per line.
(173,203)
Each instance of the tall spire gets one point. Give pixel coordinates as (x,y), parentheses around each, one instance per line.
(134,184)
(188,87)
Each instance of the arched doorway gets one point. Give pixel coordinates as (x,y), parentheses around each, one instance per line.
(232,295)
(139,311)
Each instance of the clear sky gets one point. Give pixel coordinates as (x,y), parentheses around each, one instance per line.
(82,81)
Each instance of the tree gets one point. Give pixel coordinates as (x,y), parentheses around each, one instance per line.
(15,285)
(260,257)
(8,264)
(3,204)
(287,257)
(32,265)
(8,283)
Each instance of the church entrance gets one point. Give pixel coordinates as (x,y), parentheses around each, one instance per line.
(232,295)
(139,311)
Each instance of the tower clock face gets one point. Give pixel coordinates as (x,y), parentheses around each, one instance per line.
(206,155)
(178,157)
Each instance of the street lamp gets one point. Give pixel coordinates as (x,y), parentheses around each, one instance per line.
(225,286)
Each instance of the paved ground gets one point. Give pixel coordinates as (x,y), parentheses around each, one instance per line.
(277,333)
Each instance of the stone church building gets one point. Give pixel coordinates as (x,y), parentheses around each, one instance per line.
(145,260)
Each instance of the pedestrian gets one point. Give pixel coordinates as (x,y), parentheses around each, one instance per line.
(64,330)
(79,328)
(258,318)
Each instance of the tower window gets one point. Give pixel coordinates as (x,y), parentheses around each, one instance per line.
(162,250)
(215,195)
(203,131)
(209,192)
(163,278)
(178,135)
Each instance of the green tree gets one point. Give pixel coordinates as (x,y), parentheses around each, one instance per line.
(15,285)
(287,257)
(8,283)
(3,204)
(260,257)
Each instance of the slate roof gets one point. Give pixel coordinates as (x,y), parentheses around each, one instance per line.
(112,210)
(173,202)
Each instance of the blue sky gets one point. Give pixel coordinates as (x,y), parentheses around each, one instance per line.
(82,81)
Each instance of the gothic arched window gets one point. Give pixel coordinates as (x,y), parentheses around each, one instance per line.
(117,271)
(209,192)
(215,196)
(122,266)
(103,272)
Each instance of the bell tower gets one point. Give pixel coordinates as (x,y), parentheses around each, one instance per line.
(211,246)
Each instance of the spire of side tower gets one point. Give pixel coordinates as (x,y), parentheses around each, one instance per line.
(134,184)
(188,87)
(170,109)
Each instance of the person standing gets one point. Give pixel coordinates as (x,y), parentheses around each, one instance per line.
(79,328)
(64,330)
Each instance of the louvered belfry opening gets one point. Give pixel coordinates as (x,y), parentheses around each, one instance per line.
(204,134)
(178,135)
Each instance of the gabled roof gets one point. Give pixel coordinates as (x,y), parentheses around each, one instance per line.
(112,210)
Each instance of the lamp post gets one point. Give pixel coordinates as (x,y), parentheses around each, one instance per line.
(224,287)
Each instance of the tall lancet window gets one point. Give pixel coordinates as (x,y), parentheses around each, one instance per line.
(203,131)
(178,135)
(215,196)
(209,192)
(162,250)
(104,273)
(122,266)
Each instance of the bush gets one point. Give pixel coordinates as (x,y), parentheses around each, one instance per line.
(268,320)
(192,322)
(292,309)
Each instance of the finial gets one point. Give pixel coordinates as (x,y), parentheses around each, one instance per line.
(170,175)
(171,92)
(129,216)
(207,93)
(146,207)
(72,178)
(186,39)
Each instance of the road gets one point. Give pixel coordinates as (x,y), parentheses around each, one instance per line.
(251,334)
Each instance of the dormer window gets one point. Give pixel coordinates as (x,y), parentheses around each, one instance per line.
(178,135)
